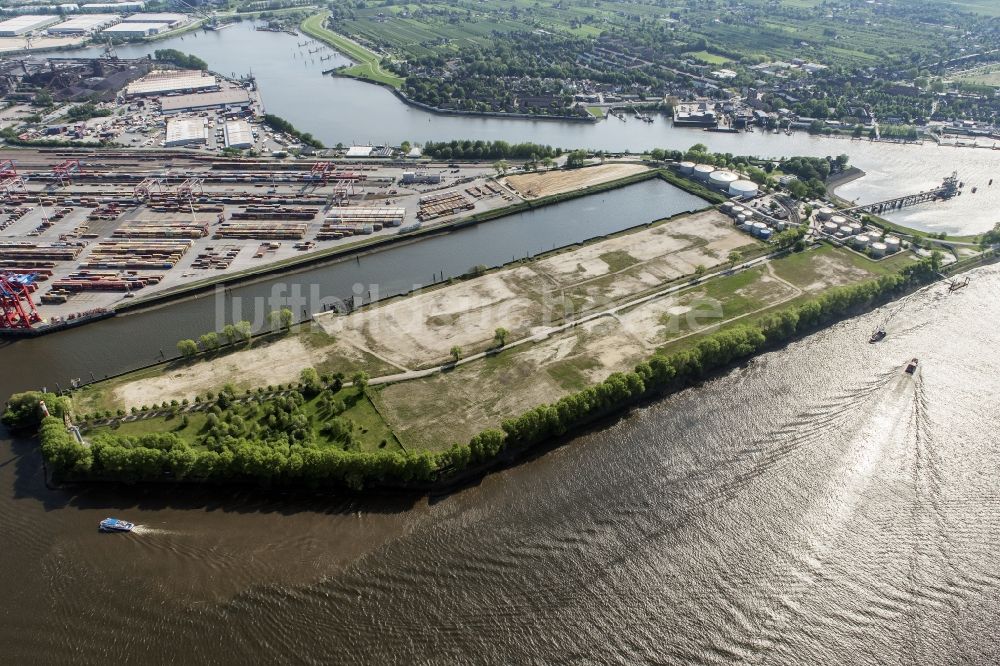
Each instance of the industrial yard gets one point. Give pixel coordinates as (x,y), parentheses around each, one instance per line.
(547,183)
(88,233)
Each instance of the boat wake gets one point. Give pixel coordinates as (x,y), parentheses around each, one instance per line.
(145,530)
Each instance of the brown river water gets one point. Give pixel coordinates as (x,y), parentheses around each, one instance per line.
(813,506)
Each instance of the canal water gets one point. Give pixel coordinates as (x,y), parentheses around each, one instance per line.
(343,110)
(816,506)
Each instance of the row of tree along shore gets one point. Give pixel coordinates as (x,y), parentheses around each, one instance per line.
(286,461)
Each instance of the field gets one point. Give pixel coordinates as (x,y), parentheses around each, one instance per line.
(370,430)
(710,58)
(420,330)
(988,75)
(547,183)
(368,63)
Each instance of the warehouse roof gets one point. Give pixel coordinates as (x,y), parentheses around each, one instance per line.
(83,23)
(153,17)
(161,82)
(228,97)
(238,133)
(186,130)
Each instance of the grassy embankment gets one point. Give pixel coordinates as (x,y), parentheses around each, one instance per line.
(368,65)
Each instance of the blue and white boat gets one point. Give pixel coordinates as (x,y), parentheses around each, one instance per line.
(116,525)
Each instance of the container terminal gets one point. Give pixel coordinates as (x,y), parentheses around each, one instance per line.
(81,232)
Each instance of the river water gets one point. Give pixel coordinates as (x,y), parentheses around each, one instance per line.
(814,506)
(344,110)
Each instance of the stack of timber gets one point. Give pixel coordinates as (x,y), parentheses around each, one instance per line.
(36,255)
(162,230)
(137,255)
(262,230)
(104,281)
(440,205)
(274,212)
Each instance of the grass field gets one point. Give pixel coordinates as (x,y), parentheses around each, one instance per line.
(710,58)
(370,430)
(368,65)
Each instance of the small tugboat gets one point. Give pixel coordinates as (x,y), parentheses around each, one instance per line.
(911,368)
(116,525)
(878,335)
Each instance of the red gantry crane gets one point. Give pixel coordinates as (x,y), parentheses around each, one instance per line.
(17,309)
(65,171)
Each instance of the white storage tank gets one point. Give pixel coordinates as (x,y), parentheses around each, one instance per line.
(878,249)
(741,218)
(824,214)
(892,244)
(765,233)
(844,231)
(723,179)
(875,235)
(759,228)
(830,228)
(739,210)
(855,228)
(703,171)
(839,220)
(727,207)
(861,241)
(743,188)
(686,167)
(746,226)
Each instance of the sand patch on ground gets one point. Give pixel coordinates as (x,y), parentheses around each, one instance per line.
(277,363)
(547,183)
(420,330)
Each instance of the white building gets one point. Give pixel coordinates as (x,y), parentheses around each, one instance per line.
(82,25)
(238,134)
(113,6)
(135,29)
(186,132)
(20,25)
(169,81)
(170,20)
(359,151)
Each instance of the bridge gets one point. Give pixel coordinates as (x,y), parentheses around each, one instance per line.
(948,189)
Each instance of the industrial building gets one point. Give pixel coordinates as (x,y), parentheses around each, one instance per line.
(238,134)
(20,25)
(112,7)
(135,29)
(82,25)
(170,20)
(411,178)
(695,114)
(186,132)
(231,99)
(170,81)
(359,151)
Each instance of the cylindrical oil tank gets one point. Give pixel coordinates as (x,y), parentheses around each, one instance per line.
(861,241)
(824,214)
(779,226)
(686,167)
(758,228)
(839,220)
(722,179)
(892,244)
(703,171)
(739,210)
(746,226)
(844,230)
(727,207)
(878,249)
(743,188)
(765,233)
(830,228)
(741,218)
(855,228)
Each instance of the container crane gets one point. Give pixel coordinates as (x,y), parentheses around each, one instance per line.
(17,309)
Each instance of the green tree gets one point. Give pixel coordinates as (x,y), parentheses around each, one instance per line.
(576,159)
(500,336)
(734,257)
(209,341)
(360,381)
(187,348)
(456,353)
(231,333)
(244,330)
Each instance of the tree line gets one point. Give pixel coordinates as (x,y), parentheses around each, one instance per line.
(488,150)
(280,124)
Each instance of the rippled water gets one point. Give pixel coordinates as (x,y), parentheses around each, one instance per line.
(815,506)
